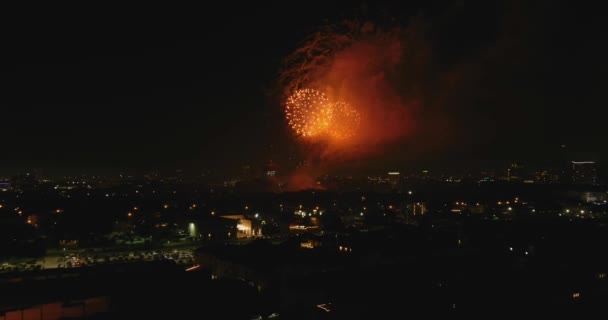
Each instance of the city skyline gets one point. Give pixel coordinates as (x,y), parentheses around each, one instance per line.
(561,163)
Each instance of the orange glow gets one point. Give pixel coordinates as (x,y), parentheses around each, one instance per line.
(303,179)
(348,94)
(341,91)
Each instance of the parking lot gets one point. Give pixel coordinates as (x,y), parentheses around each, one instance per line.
(79,258)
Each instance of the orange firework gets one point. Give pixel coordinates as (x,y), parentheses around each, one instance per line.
(312,115)
(308,112)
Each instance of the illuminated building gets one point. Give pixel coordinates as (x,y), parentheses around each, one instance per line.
(584,172)
(310,244)
(211,228)
(244,226)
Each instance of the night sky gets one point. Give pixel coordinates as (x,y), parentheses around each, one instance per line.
(104,90)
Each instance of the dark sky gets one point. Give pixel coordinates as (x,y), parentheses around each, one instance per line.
(111,89)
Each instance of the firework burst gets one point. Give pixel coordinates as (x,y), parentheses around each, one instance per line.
(308,112)
(311,115)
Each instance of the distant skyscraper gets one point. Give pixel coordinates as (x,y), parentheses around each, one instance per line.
(584,172)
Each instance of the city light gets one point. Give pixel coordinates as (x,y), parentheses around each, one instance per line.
(307,245)
(192,229)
